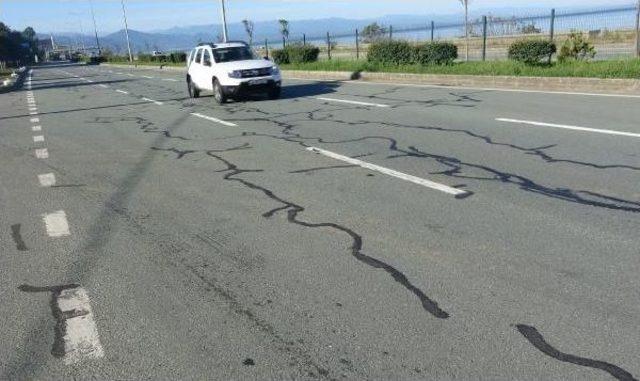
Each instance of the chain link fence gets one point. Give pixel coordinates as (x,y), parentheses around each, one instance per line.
(613,32)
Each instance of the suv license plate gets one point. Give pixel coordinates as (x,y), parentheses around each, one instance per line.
(258,82)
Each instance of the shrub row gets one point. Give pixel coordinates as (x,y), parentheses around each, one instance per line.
(398,52)
(296,53)
(532,52)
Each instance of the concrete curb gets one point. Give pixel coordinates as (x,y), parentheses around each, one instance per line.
(148,67)
(561,84)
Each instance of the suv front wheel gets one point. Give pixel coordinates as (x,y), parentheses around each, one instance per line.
(218,92)
(193,90)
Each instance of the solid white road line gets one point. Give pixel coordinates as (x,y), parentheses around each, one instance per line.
(38,138)
(214,119)
(352,102)
(170,80)
(152,101)
(56,224)
(47,180)
(81,339)
(42,153)
(403,176)
(36,128)
(568,127)
(34,120)
(122,91)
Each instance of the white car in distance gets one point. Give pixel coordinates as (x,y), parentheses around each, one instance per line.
(230,70)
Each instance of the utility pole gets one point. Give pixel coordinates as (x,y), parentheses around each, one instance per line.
(224,22)
(638,29)
(95,27)
(126,31)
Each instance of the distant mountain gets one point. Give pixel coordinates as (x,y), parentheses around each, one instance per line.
(185,37)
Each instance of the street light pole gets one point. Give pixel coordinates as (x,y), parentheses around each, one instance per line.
(95,26)
(126,31)
(224,22)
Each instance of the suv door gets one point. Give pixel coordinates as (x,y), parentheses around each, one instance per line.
(207,69)
(196,68)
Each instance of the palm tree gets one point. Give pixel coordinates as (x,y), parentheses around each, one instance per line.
(284,30)
(465,4)
(248,27)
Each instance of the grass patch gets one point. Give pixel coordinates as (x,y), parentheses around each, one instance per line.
(628,68)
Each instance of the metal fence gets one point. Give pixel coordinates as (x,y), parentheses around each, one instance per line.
(613,32)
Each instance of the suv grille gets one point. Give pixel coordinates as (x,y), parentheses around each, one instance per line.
(250,73)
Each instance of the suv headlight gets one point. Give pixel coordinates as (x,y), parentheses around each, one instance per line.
(235,74)
(275,70)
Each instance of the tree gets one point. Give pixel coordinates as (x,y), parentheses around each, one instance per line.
(248,27)
(284,28)
(373,32)
(465,4)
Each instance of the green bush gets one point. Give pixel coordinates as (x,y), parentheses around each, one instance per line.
(299,53)
(532,52)
(392,52)
(280,56)
(144,57)
(436,53)
(178,57)
(576,48)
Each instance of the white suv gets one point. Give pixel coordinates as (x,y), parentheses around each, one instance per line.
(230,70)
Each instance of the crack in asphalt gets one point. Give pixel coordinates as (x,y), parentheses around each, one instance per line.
(293,210)
(537,340)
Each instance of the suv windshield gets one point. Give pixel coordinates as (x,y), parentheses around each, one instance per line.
(236,53)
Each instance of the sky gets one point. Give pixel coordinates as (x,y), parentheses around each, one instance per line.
(75,15)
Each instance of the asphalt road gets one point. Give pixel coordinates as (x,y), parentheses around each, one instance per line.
(197,241)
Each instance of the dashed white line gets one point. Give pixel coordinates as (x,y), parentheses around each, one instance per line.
(122,91)
(56,224)
(36,128)
(458,193)
(47,180)
(81,339)
(568,127)
(42,153)
(33,109)
(38,138)
(103,85)
(352,102)
(130,75)
(170,80)
(88,80)
(212,119)
(33,113)
(34,120)
(146,76)
(152,101)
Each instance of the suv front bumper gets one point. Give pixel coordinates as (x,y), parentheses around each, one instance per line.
(247,87)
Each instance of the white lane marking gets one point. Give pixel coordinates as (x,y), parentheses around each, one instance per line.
(146,76)
(47,180)
(130,75)
(352,102)
(88,80)
(568,127)
(170,80)
(35,120)
(33,109)
(103,85)
(56,224)
(122,91)
(38,138)
(119,73)
(152,101)
(36,128)
(81,339)
(42,153)
(210,118)
(33,113)
(403,176)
